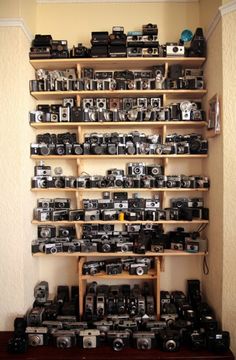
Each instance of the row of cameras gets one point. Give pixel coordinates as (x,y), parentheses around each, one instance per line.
(122,209)
(129,320)
(103,238)
(90,80)
(134,143)
(115,109)
(138,175)
(118,44)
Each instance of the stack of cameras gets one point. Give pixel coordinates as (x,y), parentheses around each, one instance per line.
(103,301)
(136,44)
(56,144)
(103,238)
(117,110)
(121,208)
(44,47)
(51,240)
(105,44)
(140,239)
(138,175)
(134,143)
(143,43)
(135,266)
(90,80)
(120,317)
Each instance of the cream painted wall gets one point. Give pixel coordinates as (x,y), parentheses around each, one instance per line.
(75,22)
(213,166)
(18,271)
(9,8)
(229,144)
(208,9)
(27,11)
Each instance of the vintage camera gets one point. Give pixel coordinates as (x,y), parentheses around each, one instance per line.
(71,247)
(109,215)
(113,268)
(198,44)
(51,248)
(64,338)
(218,341)
(197,340)
(118,339)
(88,246)
(89,338)
(41,292)
(124,246)
(138,269)
(106,246)
(79,51)
(173,181)
(35,316)
(135,169)
(154,170)
(66,231)
(173,49)
(37,336)
(77,215)
(92,267)
(144,340)
(169,340)
(91,215)
(46,231)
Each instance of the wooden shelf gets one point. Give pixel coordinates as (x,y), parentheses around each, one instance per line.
(121,254)
(116,222)
(133,157)
(125,275)
(82,190)
(114,63)
(171,94)
(74,125)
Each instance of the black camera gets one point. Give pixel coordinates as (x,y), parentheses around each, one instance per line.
(118,339)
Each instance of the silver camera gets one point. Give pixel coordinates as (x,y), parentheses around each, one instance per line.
(89,338)
(64,338)
(37,336)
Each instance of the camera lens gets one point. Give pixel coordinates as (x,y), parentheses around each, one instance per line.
(60,150)
(63,343)
(53,250)
(170,345)
(35,340)
(106,247)
(143,344)
(139,270)
(44,150)
(118,344)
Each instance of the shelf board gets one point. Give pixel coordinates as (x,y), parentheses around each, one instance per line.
(114,63)
(122,254)
(117,222)
(74,125)
(133,157)
(172,94)
(82,190)
(124,275)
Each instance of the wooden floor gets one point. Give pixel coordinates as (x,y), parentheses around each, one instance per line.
(103,353)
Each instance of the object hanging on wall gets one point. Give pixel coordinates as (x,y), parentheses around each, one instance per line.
(213,122)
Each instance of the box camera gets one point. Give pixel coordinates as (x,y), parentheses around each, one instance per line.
(41,292)
(64,338)
(89,338)
(169,340)
(118,339)
(144,340)
(114,268)
(37,336)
